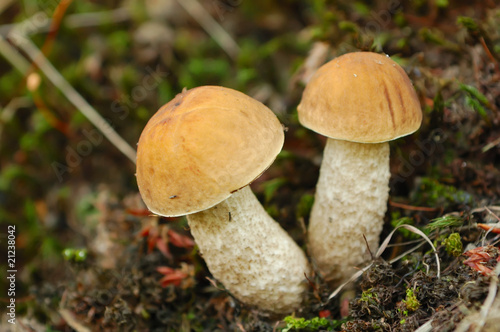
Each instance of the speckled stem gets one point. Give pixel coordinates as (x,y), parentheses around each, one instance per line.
(351,200)
(248,252)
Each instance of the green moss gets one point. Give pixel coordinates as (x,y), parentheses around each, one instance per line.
(453,244)
(469,23)
(75,255)
(368,296)
(433,193)
(315,324)
(411,302)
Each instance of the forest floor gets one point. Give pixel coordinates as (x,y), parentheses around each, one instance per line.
(90,257)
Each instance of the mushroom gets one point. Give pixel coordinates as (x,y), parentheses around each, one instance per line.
(197,156)
(360,101)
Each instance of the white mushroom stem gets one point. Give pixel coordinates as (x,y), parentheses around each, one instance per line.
(351,200)
(250,254)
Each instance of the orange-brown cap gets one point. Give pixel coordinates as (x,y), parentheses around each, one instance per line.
(202,146)
(361,97)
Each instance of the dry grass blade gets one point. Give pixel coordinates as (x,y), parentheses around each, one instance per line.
(11,54)
(416,231)
(354,277)
(383,246)
(490,145)
(74,97)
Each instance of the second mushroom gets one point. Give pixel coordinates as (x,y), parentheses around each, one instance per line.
(197,156)
(360,101)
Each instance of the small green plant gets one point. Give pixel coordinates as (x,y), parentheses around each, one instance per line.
(469,23)
(442,3)
(475,100)
(293,323)
(75,255)
(304,206)
(444,222)
(453,244)
(368,296)
(411,302)
(271,187)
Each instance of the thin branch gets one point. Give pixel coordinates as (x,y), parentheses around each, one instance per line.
(73,96)
(494,215)
(411,207)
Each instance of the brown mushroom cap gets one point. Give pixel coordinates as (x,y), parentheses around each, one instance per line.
(361,97)
(202,146)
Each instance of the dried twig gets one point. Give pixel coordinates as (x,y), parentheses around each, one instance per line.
(494,215)
(413,208)
(74,97)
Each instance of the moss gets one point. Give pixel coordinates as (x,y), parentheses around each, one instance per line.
(411,302)
(431,192)
(453,244)
(368,296)
(314,324)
